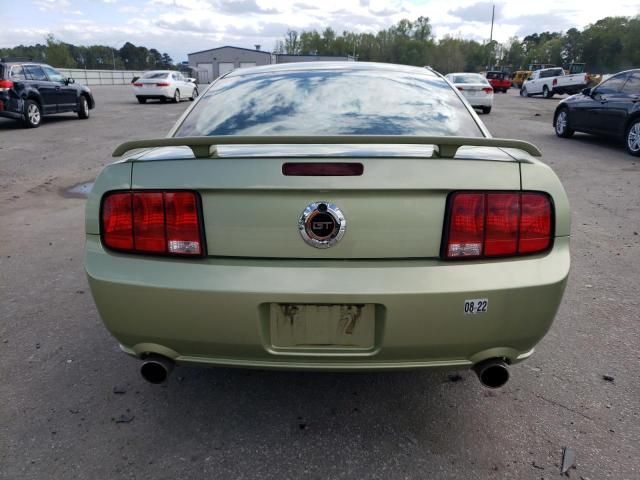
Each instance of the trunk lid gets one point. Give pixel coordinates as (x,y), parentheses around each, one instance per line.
(395,209)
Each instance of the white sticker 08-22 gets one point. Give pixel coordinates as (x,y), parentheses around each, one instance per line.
(474,306)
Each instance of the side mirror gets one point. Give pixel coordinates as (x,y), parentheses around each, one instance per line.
(69,81)
(192,80)
(586,92)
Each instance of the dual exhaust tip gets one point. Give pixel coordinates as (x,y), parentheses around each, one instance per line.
(492,373)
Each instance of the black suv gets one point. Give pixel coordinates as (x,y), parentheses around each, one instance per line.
(29,90)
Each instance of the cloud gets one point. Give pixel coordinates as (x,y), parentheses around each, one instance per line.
(52,5)
(549,22)
(243,7)
(478,12)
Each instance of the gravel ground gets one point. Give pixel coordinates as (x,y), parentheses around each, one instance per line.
(73,406)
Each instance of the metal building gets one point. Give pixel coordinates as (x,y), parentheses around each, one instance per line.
(207,65)
(210,64)
(286,58)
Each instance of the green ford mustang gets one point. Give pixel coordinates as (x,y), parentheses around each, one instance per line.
(328,216)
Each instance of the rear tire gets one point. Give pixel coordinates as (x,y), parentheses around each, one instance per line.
(632,138)
(141,100)
(194,95)
(83,108)
(561,124)
(486,110)
(32,115)
(176,96)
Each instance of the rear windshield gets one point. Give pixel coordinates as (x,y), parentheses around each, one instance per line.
(495,75)
(155,75)
(330,102)
(469,78)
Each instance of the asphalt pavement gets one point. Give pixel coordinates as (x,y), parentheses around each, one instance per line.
(72,406)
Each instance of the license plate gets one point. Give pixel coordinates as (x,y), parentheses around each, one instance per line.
(304,326)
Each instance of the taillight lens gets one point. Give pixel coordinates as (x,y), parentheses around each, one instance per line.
(497,224)
(487,90)
(137,84)
(156,222)
(5,85)
(162,84)
(555,82)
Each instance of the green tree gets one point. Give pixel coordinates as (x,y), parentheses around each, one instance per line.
(57,53)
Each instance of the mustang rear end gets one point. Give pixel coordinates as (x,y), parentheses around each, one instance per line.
(327,252)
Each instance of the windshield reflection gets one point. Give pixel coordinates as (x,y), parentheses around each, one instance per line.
(330,102)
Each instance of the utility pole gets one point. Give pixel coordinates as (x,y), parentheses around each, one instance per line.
(493,14)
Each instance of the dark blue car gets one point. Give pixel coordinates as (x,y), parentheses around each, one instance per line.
(29,91)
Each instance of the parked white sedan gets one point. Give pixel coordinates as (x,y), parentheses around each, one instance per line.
(164,85)
(475,88)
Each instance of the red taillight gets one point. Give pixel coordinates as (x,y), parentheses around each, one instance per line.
(497,224)
(466,225)
(487,90)
(117,221)
(166,223)
(555,82)
(162,84)
(138,84)
(5,85)
(148,222)
(535,223)
(183,225)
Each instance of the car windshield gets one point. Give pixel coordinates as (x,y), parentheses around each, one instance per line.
(156,75)
(494,75)
(468,78)
(331,101)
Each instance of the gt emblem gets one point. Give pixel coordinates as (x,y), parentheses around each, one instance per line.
(322,224)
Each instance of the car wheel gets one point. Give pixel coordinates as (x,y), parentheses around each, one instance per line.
(83,108)
(546,93)
(176,96)
(523,92)
(486,110)
(141,100)
(32,115)
(194,95)
(562,124)
(633,137)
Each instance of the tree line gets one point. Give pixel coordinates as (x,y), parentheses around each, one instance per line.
(607,46)
(65,55)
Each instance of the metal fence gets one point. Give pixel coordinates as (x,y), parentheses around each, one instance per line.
(100,77)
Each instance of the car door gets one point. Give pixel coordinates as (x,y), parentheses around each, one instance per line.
(534,83)
(186,86)
(66,94)
(38,80)
(605,113)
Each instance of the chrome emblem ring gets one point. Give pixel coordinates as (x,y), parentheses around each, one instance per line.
(322,224)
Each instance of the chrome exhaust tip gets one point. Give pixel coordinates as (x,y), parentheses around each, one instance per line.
(492,373)
(156,368)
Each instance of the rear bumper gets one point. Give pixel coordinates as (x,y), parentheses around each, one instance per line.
(216,311)
(9,106)
(156,92)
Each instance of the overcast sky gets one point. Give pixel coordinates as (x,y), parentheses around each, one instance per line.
(182,26)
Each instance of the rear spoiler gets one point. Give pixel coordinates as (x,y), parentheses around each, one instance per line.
(446,147)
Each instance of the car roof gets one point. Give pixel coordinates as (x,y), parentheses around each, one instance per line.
(313,66)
